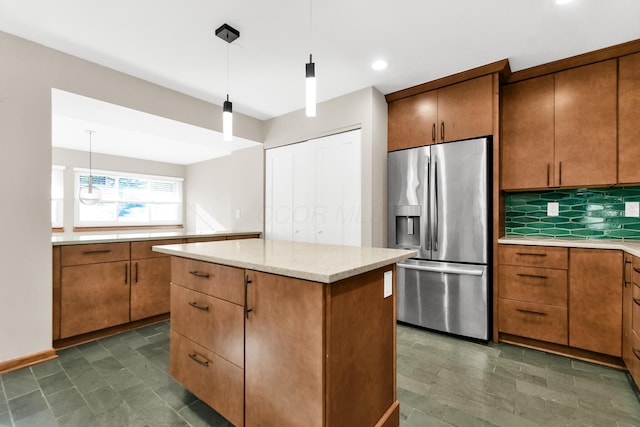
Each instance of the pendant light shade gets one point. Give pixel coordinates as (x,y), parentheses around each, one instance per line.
(228,34)
(89,194)
(310,88)
(227,120)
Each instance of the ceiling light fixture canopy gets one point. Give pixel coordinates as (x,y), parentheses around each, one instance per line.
(89,194)
(228,34)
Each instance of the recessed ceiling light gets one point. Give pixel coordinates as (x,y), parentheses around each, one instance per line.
(379,64)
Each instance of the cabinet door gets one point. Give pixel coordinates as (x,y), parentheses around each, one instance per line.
(628,119)
(527,134)
(150,287)
(93,297)
(595,300)
(586,125)
(465,110)
(412,121)
(284,357)
(627,311)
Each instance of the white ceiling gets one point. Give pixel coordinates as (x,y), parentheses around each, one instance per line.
(172,43)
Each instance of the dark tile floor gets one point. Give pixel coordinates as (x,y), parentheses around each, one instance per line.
(123,381)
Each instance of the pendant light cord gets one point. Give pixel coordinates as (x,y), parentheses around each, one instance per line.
(227,71)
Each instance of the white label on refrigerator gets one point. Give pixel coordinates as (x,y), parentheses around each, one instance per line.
(388,283)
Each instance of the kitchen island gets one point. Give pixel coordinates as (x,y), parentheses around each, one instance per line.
(284,333)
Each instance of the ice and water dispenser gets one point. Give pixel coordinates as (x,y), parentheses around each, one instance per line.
(407,225)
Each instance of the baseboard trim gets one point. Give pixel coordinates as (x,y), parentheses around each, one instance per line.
(92,336)
(28,360)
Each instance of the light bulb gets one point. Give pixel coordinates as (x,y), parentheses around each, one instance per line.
(227,120)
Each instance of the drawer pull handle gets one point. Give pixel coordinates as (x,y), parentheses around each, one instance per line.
(535,276)
(194,357)
(636,300)
(97,251)
(126,273)
(637,270)
(539,313)
(199,274)
(529,254)
(636,352)
(199,307)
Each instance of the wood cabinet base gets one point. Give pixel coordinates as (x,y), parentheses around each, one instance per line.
(563,350)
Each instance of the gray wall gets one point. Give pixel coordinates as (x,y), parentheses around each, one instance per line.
(28,73)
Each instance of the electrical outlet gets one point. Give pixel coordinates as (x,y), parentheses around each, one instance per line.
(553,209)
(632,209)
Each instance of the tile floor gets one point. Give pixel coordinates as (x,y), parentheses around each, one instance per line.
(442,381)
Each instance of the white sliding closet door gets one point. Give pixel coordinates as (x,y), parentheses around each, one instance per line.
(313,190)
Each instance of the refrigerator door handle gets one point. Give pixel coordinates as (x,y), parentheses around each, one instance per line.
(436,222)
(428,239)
(445,270)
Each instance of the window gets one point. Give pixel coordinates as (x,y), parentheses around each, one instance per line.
(129,200)
(57,196)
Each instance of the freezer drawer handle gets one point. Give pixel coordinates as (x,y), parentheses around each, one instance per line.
(442,270)
(539,313)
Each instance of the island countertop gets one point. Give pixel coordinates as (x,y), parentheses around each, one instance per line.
(307,261)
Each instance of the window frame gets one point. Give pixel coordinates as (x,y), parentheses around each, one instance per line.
(117,223)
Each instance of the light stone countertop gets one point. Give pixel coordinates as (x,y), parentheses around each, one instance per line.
(631,247)
(95,237)
(307,261)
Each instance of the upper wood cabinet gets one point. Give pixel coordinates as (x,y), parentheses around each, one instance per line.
(559,130)
(459,111)
(628,119)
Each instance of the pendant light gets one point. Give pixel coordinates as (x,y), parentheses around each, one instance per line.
(310,68)
(89,194)
(228,34)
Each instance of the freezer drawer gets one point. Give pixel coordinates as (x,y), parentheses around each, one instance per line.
(446,297)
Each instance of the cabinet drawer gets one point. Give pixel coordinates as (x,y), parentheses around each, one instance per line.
(537,321)
(635,275)
(215,381)
(534,256)
(213,323)
(216,280)
(141,250)
(533,284)
(94,253)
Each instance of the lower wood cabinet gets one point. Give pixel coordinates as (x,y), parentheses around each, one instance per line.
(563,300)
(595,300)
(101,285)
(288,352)
(631,317)
(94,296)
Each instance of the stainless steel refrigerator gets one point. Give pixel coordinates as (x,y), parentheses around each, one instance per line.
(439,204)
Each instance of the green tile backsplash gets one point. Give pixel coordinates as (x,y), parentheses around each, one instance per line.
(585,213)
